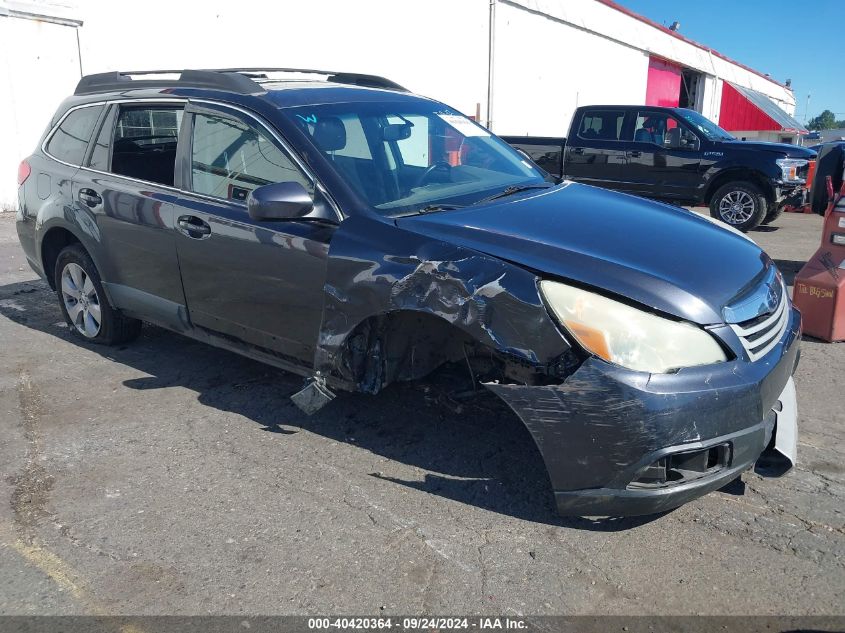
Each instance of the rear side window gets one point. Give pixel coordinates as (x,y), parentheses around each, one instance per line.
(144,144)
(70,140)
(602,125)
(156,125)
(229,159)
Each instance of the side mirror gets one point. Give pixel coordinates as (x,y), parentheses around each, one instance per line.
(678,138)
(672,140)
(279,201)
(690,142)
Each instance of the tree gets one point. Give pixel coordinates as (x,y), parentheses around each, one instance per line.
(825,121)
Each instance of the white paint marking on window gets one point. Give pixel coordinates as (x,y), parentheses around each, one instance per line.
(464,125)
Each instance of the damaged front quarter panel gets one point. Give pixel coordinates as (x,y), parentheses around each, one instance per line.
(398,304)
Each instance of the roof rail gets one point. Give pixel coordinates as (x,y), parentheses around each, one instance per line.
(334,76)
(238,80)
(227,81)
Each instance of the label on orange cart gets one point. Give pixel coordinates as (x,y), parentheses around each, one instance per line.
(814,292)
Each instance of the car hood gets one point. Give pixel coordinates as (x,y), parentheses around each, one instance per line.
(790,151)
(661,256)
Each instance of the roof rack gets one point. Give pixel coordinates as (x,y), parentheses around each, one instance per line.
(239,80)
(333,76)
(228,81)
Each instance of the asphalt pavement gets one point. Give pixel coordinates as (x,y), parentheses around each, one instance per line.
(166,476)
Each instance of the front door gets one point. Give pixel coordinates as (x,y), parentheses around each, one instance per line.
(259,282)
(657,167)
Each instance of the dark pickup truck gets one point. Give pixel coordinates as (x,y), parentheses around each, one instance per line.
(679,156)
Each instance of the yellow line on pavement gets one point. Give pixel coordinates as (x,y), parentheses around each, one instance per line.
(54,567)
(61,573)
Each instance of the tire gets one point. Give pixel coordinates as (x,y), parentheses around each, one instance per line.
(739,204)
(84,303)
(773,213)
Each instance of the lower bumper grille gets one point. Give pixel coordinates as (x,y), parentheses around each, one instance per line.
(680,468)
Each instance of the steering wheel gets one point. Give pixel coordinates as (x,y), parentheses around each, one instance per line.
(440,165)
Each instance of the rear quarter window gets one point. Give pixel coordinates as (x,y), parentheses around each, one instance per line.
(70,140)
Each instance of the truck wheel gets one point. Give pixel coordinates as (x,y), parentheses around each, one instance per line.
(83,301)
(773,213)
(740,204)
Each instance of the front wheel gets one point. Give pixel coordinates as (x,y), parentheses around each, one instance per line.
(84,303)
(740,204)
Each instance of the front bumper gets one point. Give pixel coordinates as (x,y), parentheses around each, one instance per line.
(792,196)
(604,427)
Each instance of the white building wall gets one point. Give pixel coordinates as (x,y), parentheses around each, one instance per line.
(437,48)
(39,66)
(550,55)
(545,68)
(601,19)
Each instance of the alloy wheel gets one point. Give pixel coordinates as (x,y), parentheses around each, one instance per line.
(736,207)
(81,300)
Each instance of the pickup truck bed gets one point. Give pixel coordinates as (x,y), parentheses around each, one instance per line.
(545,151)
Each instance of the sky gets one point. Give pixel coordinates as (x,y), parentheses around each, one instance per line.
(787,39)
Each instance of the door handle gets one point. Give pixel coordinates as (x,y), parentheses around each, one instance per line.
(577,150)
(192,226)
(89,197)
(634,153)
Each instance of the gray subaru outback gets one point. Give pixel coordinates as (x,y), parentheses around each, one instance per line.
(337,226)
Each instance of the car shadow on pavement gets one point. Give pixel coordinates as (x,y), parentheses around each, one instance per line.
(789,268)
(473,451)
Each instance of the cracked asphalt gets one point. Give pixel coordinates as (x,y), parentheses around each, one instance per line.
(167,476)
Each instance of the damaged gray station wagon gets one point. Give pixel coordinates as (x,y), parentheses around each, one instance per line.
(337,226)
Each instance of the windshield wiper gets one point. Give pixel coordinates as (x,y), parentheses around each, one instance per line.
(433,208)
(509,191)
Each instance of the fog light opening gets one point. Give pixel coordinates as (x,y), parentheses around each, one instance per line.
(682,467)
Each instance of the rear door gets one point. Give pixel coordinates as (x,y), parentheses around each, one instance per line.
(595,150)
(653,167)
(258,282)
(126,187)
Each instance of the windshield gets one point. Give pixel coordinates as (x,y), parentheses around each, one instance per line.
(704,125)
(404,157)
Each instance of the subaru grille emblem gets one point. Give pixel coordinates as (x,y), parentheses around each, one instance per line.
(771,298)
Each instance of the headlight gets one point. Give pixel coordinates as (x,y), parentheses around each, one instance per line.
(627,336)
(789,169)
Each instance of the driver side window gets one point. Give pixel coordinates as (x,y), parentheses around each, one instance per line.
(654,127)
(229,159)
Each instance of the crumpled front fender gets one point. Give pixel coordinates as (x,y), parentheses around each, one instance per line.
(375,268)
